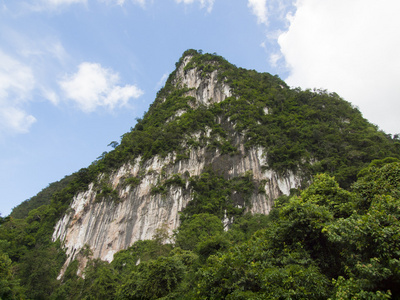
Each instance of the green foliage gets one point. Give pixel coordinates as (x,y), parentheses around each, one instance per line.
(245,226)
(133,181)
(125,260)
(71,285)
(153,279)
(371,245)
(211,245)
(206,63)
(162,187)
(307,243)
(9,286)
(325,191)
(216,195)
(38,271)
(378,181)
(100,281)
(352,289)
(250,271)
(107,192)
(311,247)
(196,229)
(377,163)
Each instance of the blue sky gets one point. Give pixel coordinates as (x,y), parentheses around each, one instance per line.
(74,74)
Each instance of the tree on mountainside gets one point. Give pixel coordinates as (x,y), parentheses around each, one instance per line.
(9,285)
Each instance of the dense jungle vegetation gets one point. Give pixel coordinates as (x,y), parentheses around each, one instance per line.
(338,237)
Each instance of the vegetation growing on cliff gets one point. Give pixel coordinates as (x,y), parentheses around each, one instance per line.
(326,242)
(338,238)
(302,131)
(311,131)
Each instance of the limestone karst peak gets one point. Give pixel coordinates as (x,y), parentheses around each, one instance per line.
(217,140)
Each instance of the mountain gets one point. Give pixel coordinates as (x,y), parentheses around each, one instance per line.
(218,146)
(161,165)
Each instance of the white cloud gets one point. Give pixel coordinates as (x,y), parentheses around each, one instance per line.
(352,48)
(14,120)
(94,86)
(56,49)
(50,95)
(259,9)
(274,58)
(271,13)
(41,50)
(45,55)
(16,79)
(16,84)
(203,3)
(26,77)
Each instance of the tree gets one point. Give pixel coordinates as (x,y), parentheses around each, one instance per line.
(38,270)
(196,229)
(153,279)
(113,144)
(377,181)
(370,247)
(100,280)
(369,238)
(9,286)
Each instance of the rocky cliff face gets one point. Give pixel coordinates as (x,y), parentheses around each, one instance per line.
(206,89)
(107,226)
